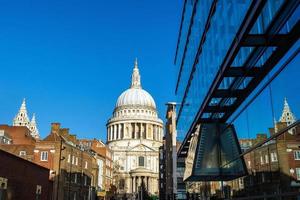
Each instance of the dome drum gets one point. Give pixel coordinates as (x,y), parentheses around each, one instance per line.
(137,130)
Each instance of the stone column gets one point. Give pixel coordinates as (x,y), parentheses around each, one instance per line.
(135,135)
(112,132)
(150,185)
(146,131)
(119,131)
(128,184)
(159,133)
(142,130)
(151,131)
(140,181)
(154,132)
(143,180)
(147,183)
(107,136)
(136,184)
(137,131)
(115,132)
(130,130)
(131,185)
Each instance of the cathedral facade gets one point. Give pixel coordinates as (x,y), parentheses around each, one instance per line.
(134,135)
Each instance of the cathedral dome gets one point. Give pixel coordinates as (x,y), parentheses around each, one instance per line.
(135,95)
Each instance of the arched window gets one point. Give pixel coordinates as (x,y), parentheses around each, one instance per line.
(141,161)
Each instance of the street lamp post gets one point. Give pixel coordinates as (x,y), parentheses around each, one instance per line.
(59,165)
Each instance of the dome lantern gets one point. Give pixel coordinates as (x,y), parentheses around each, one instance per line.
(135,95)
(136,78)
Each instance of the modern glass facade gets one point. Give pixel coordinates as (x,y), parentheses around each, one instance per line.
(237,60)
(207,31)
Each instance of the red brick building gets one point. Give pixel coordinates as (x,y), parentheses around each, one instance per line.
(103,155)
(73,170)
(22,179)
(22,143)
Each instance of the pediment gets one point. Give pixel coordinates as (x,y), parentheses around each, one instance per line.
(141,147)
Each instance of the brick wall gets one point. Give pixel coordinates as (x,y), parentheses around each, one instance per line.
(24,177)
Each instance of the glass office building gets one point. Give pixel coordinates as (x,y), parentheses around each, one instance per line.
(226,51)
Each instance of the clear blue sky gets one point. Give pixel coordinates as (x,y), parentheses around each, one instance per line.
(72,59)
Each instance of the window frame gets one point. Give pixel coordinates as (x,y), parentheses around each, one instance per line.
(297,154)
(262,160)
(274,157)
(297,173)
(44,156)
(266,158)
(139,161)
(22,153)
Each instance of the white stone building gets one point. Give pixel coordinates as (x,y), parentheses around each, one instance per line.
(22,119)
(134,134)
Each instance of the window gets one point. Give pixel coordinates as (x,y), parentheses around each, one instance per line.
(249,163)
(76,162)
(273,157)
(22,153)
(69,158)
(73,160)
(44,156)
(86,165)
(85,180)
(241,182)
(298,173)
(261,160)
(141,161)
(297,155)
(267,158)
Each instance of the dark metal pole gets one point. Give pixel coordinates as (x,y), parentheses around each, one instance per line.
(58,175)
(70,173)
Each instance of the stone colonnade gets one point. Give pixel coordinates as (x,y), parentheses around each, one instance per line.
(134,130)
(135,181)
